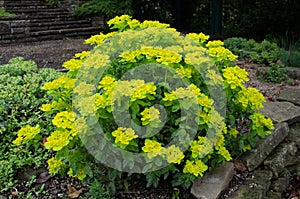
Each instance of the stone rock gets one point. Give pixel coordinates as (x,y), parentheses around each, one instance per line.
(280,158)
(214,182)
(255,188)
(4,28)
(282,112)
(245,192)
(294,135)
(282,182)
(264,147)
(292,72)
(290,94)
(273,195)
(3,197)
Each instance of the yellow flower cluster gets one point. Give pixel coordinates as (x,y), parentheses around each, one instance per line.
(64,119)
(80,175)
(143,91)
(224,153)
(26,133)
(156,53)
(235,77)
(191,92)
(214,44)
(250,97)
(260,122)
(46,107)
(119,20)
(63,82)
(202,38)
(99,39)
(124,22)
(185,72)
(214,78)
(152,148)
(96,60)
(55,165)
(84,89)
(173,154)
(150,115)
(198,59)
(75,63)
(221,54)
(201,147)
(197,167)
(57,140)
(156,24)
(124,135)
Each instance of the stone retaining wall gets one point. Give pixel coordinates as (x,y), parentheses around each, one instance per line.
(37,20)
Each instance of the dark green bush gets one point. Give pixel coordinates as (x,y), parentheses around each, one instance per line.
(20,101)
(264,52)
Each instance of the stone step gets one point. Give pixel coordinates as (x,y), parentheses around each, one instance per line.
(71,31)
(58,25)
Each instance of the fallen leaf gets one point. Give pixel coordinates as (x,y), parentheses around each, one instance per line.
(43,177)
(73,193)
(239,165)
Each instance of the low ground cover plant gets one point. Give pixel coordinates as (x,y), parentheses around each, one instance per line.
(151,101)
(264,52)
(21,97)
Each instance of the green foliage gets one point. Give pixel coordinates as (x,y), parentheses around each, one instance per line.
(98,190)
(53,2)
(108,8)
(274,74)
(20,100)
(151,113)
(263,52)
(290,58)
(3,13)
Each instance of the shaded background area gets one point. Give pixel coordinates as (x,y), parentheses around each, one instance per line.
(222,18)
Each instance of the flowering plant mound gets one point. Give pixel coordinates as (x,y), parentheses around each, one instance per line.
(149,100)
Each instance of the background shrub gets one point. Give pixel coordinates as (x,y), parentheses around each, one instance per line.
(20,100)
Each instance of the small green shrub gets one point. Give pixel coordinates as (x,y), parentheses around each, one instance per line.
(3,13)
(150,101)
(263,52)
(290,58)
(20,101)
(274,74)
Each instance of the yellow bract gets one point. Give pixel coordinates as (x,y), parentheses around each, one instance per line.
(55,165)
(26,133)
(124,135)
(196,167)
(149,115)
(57,140)
(250,97)
(235,77)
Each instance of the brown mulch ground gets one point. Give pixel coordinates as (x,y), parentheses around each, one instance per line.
(46,54)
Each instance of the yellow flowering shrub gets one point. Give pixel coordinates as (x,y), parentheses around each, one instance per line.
(110,103)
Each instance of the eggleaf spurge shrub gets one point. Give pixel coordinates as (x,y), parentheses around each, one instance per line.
(151,101)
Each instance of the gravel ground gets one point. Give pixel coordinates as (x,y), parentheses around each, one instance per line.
(53,54)
(46,54)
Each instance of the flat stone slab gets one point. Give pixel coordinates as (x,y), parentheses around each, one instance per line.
(293,72)
(264,147)
(294,135)
(280,158)
(281,112)
(256,188)
(290,94)
(214,182)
